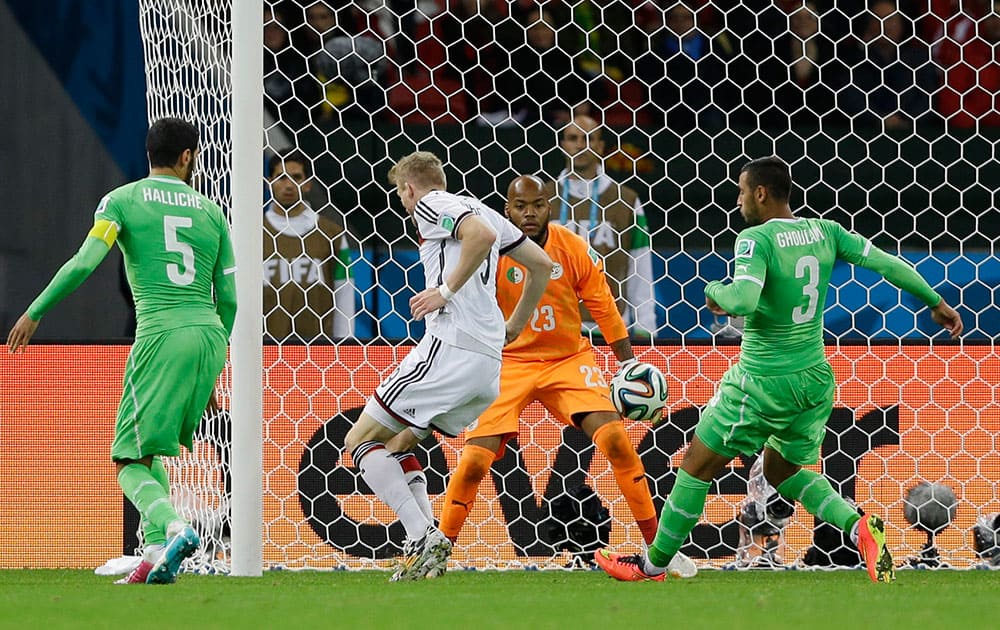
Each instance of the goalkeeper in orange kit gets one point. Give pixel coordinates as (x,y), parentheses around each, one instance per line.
(552,363)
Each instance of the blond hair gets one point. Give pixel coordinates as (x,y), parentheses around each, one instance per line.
(423,169)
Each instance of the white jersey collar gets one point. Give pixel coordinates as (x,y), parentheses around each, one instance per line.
(299,225)
(580,188)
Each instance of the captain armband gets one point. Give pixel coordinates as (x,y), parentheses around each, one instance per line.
(105,230)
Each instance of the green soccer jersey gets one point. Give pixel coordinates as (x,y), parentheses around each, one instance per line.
(176,244)
(781,273)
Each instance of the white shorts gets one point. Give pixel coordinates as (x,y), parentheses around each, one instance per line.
(437,386)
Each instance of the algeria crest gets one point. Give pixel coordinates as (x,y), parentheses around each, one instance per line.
(516,276)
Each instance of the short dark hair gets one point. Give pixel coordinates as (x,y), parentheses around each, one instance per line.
(167,139)
(292,155)
(771,173)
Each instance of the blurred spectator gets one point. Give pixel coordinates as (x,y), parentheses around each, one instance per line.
(404,40)
(287,85)
(308,290)
(683,68)
(348,60)
(892,78)
(590,31)
(754,73)
(805,92)
(610,217)
(965,49)
(541,83)
(479,36)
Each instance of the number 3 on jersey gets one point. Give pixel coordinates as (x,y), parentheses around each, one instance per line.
(174,273)
(807,267)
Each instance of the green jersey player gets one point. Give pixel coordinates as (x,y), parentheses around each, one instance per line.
(176,246)
(780,393)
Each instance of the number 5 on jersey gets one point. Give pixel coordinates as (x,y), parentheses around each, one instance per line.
(174,272)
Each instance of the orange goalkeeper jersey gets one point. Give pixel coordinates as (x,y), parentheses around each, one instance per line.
(554,329)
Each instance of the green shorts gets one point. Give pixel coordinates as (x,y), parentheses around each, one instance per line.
(168,380)
(788,412)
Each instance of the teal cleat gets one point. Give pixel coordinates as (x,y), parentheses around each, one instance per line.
(178,548)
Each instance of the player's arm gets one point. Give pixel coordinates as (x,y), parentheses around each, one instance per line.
(741,296)
(860,251)
(538,267)
(477,237)
(224,280)
(593,290)
(69,277)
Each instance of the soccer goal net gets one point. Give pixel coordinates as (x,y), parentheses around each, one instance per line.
(885,114)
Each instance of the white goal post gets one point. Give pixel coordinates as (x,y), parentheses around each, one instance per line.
(248,331)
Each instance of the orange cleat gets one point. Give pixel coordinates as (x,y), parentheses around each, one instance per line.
(871,545)
(625,568)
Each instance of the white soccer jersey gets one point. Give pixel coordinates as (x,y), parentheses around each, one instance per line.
(471,319)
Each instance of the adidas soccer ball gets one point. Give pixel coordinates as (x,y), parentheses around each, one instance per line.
(639,392)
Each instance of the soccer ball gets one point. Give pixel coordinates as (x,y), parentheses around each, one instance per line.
(639,392)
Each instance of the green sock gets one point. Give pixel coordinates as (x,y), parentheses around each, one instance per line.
(151,534)
(816,495)
(148,496)
(680,514)
(159,472)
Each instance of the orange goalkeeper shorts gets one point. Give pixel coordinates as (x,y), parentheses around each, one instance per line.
(566,387)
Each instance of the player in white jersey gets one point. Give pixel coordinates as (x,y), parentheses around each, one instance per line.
(453,374)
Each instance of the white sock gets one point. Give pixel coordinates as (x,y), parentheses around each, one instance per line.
(382,473)
(649,568)
(152,553)
(175,527)
(417,481)
(854,531)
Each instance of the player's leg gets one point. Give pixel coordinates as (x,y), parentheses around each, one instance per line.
(457,402)
(608,434)
(154,538)
(485,439)
(680,514)
(147,425)
(799,444)
(190,362)
(809,488)
(715,444)
(416,479)
(606,430)
(474,464)
(417,398)
(366,442)
(574,392)
(818,497)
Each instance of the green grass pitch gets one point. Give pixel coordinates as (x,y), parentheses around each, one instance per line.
(515,599)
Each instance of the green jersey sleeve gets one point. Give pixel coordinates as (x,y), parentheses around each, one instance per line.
(750,259)
(224,277)
(110,209)
(858,250)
